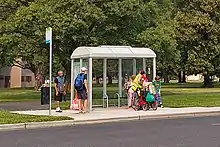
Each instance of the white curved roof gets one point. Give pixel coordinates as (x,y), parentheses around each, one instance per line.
(112,52)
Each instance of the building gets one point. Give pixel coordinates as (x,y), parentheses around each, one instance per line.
(198,77)
(15,77)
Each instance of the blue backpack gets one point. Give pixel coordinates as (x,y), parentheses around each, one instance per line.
(79,82)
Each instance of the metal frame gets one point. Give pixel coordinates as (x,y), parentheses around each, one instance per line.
(105,96)
(134,66)
(154,68)
(90,84)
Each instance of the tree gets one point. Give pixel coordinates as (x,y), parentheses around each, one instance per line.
(124,20)
(198,31)
(160,37)
(23,38)
(26,30)
(73,28)
(9,7)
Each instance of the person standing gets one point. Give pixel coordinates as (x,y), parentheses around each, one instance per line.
(130,92)
(59,89)
(137,83)
(157,85)
(80,85)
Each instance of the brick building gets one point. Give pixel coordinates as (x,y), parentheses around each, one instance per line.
(15,77)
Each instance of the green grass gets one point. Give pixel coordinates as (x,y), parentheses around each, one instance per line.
(16,95)
(11,118)
(174,95)
(191,97)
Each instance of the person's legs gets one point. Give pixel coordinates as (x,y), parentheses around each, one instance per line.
(80,105)
(129,99)
(133,100)
(58,99)
(85,103)
(79,95)
(58,104)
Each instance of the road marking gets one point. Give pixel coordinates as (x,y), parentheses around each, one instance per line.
(217,124)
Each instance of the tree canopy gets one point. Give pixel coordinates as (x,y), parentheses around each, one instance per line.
(184,34)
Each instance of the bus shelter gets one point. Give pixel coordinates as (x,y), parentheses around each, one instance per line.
(105,53)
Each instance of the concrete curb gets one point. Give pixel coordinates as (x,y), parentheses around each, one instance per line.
(180,115)
(106,120)
(34,125)
(11,126)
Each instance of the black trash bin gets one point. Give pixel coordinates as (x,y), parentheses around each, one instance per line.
(45,93)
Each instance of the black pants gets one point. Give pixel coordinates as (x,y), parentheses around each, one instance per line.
(60,97)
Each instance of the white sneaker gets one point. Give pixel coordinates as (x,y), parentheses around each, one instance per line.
(58,109)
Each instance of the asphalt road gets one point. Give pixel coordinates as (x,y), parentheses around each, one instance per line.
(21,106)
(190,132)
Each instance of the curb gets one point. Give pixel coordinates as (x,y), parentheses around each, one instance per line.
(11,127)
(34,125)
(180,115)
(106,120)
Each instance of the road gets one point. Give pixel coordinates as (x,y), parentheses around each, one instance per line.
(21,106)
(187,132)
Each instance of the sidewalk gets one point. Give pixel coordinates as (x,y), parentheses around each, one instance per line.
(110,114)
(103,115)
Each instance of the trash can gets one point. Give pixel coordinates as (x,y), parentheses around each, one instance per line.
(45,92)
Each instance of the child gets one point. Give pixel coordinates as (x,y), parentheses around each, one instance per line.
(157,85)
(130,92)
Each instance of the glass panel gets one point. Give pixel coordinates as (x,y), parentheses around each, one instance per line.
(149,69)
(97,90)
(139,63)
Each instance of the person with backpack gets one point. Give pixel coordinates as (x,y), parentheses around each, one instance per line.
(80,85)
(59,89)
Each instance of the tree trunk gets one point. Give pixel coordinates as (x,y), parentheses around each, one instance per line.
(165,77)
(109,79)
(39,81)
(39,77)
(97,80)
(67,67)
(39,73)
(182,77)
(208,82)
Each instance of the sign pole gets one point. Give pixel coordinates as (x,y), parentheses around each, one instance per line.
(51,52)
(49,40)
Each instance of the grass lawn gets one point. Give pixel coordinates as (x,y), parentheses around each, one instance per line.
(174,95)
(16,95)
(10,118)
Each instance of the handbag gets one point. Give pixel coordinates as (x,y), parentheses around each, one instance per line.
(150,98)
(75,104)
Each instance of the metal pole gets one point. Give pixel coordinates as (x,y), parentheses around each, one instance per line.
(104,78)
(144,64)
(50,72)
(119,80)
(154,68)
(134,67)
(120,77)
(72,81)
(90,84)
(80,63)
